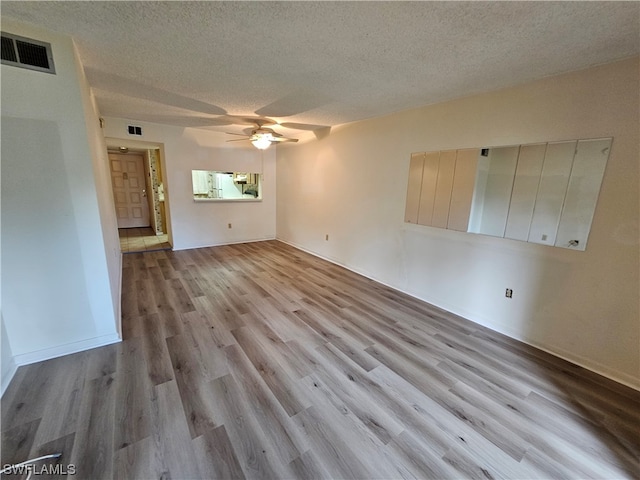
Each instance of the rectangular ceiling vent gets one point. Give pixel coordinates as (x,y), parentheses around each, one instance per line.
(134,130)
(27,53)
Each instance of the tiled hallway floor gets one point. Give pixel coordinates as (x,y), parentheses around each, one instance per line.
(141,240)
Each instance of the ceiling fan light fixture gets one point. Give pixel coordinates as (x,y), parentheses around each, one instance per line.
(262,141)
(261,137)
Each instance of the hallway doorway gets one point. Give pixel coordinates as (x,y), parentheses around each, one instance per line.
(151,189)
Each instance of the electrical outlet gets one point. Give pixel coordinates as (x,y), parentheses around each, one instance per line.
(229,225)
(326,237)
(508,293)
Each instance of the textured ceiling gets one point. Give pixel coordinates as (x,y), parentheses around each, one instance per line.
(308,64)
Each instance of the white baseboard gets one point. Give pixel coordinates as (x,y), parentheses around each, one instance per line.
(8,375)
(66,349)
(600,369)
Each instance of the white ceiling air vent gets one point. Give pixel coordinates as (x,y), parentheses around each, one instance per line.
(27,53)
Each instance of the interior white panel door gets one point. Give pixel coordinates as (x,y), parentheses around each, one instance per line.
(582,193)
(551,192)
(525,188)
(129,190)
(442,201)
(428,192)
(413,188)
(462,192)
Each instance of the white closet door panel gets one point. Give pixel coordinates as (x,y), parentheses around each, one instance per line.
(462,192)
(582,193)
(428,191)
(525,187)
(413,188)
(446,170)
(551,192)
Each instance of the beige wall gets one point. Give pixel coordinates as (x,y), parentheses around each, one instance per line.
(583,306)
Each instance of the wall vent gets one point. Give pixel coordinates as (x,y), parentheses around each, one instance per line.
(27,53)
(134,130)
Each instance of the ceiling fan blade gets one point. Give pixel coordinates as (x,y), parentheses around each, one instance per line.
(239,140)
(186,121)
(264,122)
(242,120)
(283,139)
(239,134)
(302,126)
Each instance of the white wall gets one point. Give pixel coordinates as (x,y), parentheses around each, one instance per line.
(8,365)
(197,224)
(7,362)
(59,267)
(580,305)
(108,232)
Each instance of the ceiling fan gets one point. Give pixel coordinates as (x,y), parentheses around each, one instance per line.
(262,137)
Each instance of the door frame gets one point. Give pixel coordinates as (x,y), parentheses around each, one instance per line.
(114,144)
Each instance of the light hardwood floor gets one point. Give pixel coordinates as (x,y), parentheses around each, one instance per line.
(261,361)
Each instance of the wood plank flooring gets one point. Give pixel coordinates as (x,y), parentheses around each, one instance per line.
(261,361)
